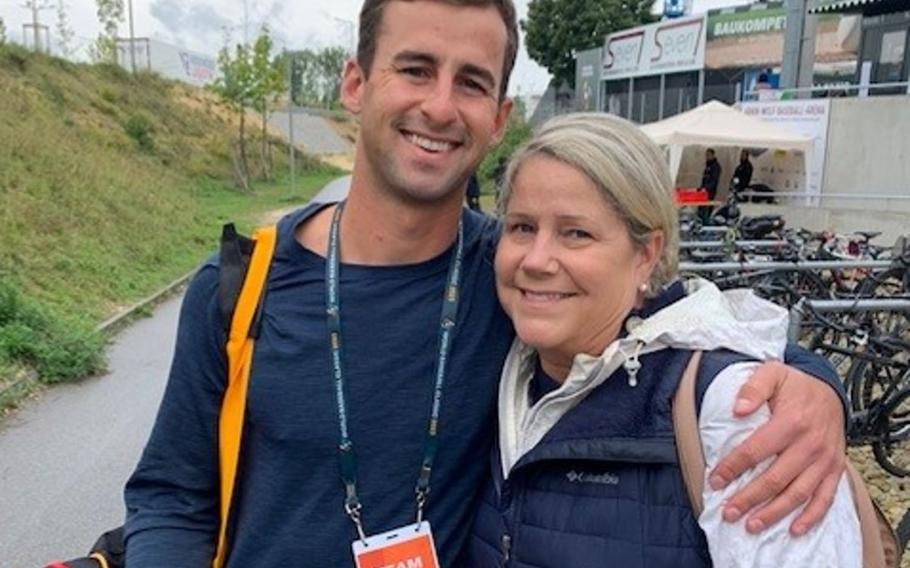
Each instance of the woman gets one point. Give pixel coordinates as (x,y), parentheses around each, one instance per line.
(585,471)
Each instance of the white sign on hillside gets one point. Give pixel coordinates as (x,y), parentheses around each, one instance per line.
(807,117)
(168,60)
(672,46)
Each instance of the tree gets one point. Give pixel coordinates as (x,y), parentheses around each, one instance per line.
(269,81)
(556,29)
(304,83)
(316,77)
(250,78)
(236,86)
(110,15)
(65,33)
(518,131)
(2,31)
(330,63)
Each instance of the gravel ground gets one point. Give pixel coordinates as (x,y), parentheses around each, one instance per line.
(891,493)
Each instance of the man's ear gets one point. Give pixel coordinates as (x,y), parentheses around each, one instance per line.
(353,80)
(502,120)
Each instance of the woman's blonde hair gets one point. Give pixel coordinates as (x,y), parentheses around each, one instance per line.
(628,168)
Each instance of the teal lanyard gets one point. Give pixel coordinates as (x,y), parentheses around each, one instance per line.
(347,459)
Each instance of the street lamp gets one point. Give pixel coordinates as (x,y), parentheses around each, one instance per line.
(289,55)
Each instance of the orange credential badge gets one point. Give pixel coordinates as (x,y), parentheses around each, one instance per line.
(406,547)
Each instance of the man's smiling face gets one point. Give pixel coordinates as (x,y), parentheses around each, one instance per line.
(429,105)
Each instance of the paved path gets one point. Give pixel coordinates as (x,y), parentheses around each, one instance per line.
(65,457)
(312,133)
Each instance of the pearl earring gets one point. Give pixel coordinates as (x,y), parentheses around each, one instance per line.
(643,287)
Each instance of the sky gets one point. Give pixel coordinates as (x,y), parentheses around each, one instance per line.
(203,25)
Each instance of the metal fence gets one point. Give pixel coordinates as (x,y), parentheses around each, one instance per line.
(830,91)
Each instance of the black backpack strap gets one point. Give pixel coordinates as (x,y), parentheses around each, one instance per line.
(107,552)
(234,260)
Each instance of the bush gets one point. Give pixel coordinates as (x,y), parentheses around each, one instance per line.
(107,95)
(15,57)
(57,348)
(139,128)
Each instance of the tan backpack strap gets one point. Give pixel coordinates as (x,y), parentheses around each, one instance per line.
(880,547)
(240,356)
(688,440)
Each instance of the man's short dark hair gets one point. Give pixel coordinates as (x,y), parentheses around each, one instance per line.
(371,22)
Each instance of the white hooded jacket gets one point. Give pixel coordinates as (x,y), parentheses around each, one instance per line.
(705,319)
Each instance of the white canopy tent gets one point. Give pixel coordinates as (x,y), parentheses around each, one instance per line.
(715,124)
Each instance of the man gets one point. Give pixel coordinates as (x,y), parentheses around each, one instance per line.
(711,176)
(742,176)
(429,85)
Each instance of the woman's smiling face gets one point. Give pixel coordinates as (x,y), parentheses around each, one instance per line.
(567,269)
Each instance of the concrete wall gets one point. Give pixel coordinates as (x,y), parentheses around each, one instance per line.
(869,151)
(868,154)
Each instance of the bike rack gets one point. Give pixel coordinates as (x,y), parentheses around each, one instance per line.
(802,265)
(736,244)
(826,306)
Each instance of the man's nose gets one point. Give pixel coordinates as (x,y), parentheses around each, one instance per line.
(439,105)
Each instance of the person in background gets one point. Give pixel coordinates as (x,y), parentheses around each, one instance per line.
(742,176)
(472,194)
(585,472)
(711,176)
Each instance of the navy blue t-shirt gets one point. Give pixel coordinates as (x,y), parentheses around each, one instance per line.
(288,508)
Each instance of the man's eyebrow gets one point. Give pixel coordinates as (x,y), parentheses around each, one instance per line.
(409,56)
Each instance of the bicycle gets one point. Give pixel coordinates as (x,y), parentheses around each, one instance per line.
(877,385)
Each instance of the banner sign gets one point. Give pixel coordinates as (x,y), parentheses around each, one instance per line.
(808,117)
(672,46)
(168,61)
(737,22)
(587,79)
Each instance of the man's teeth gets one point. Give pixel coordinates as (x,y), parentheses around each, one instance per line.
(428,144)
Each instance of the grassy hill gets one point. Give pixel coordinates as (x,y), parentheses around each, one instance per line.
(110,186)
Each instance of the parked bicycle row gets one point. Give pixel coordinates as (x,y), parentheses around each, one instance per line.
(849,299)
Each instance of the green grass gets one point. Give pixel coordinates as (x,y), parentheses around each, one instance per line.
(110,187)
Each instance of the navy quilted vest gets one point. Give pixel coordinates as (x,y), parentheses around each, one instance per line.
(603,488)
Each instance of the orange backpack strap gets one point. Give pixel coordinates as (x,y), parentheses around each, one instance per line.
(240,355)
(688,439)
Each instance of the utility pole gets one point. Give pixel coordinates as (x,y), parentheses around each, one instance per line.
(291,149)
(36,24)
(799,46)
(132,41)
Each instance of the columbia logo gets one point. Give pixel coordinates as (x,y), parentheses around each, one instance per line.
(598,478)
